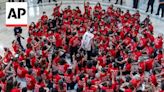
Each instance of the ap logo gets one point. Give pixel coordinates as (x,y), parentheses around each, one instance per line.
(16,13)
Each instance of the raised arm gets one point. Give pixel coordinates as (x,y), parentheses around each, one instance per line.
(49,66)
(7,67)
(162,73)
(61,3)
(84,4)
(112,77)
(48,48)
(123,61)
(123,85)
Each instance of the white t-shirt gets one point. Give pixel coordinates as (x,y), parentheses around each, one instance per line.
(86,41)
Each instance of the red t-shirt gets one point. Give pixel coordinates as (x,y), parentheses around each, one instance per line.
(79,70)
(44,54)
(15,90)
(110,69)
(127,15)
(63,89)
(128,90)
(48,75)
(150,36)
(30,81)
(57,8)
(68,77)
(28,52)
(151,28)
(127,40)
(134,82)
(74,41)
(81,82)
(133,46)
(33,60)
(112,52)
(21,58)
(153,79)
(81,31)
(78,11)
(91,89)
(102,60)
(90,71)
(143,41)
(3,86)
(149,64)
(2,74)
(103,77)
(29,40)
(15,65)
(39,85)
(37,71)
(159,57)
(7,58)
(142,66)
(97,8)
(149,50)
(15,47)
(128,67)
(63,68)
(44,18)
(56,60)
(103,31)
(108,89)
(21,72)
(89,8)
(76,23)
(161,91)
(56,78)
(58,40)
(158,43)
(136,55)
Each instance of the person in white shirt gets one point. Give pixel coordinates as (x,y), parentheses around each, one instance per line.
(87,42)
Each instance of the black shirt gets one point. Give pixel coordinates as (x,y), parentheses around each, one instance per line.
(17,30)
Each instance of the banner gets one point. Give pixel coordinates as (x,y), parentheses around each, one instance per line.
(86,41)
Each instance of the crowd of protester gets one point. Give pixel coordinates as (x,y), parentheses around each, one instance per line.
(124,55)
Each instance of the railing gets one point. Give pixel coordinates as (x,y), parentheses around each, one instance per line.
(127,4)
(2,6)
